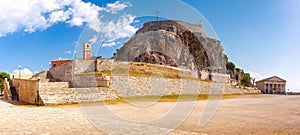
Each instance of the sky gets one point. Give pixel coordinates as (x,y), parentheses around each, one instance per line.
(259,36)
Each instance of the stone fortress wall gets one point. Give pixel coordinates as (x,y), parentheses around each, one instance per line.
(61,92)
(138,86)
(57,92)
(76,73)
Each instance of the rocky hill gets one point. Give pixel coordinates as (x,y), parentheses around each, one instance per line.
(174,43)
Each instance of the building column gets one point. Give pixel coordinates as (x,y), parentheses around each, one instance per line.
(266,88)
(269,88)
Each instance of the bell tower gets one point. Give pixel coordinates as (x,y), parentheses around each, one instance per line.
(86,50)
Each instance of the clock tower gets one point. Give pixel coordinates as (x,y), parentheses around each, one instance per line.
(86,50)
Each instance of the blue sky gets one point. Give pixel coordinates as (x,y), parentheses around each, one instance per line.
(260,36)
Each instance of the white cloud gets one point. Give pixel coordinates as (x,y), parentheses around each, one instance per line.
(67,52)
(23,71)
(115,30)
(94,39)
(116,7)
(32,15)
(109,44)
(255,75)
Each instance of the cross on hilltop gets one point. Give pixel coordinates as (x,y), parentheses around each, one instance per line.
(156,13)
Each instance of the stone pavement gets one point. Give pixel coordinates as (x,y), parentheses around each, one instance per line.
(17,119)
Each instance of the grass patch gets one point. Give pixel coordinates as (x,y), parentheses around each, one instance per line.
(165,98)
(140,69)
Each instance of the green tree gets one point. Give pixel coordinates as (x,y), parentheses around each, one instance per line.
(3,75)
(246,80)
(230,66)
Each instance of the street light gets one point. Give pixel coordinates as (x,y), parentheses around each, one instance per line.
(20,71)
(74,54)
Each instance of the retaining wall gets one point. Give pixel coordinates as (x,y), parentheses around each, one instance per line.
(145,86)
(27,90)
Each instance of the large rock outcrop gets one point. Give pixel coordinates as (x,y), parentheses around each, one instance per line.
(174,43)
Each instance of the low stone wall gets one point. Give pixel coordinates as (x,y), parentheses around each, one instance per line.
(143,86)
(27,90)
(75,95)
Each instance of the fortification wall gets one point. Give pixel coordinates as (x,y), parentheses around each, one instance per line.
(143,86)
(89,80)
(61,73)
(74,73)
(53,95)
(84,65)
(104,64)
(60,93)
(27,90)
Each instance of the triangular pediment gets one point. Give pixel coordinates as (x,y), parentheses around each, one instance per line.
(273,79)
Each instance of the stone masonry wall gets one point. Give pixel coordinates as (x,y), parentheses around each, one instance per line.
(83,65)
(7,93)
(104,64)
(74,73)
(61,73)
(27,90)
(89,80)
(51,94)
(142,86)
(60,93)
(65,71)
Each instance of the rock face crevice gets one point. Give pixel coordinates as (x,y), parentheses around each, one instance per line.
(184,45)
(155,58)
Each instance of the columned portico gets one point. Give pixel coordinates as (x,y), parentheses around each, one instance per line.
(272,85)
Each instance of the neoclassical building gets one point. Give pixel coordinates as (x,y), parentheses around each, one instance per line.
(272,85)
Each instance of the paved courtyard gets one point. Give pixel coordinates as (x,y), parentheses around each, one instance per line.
(247,114)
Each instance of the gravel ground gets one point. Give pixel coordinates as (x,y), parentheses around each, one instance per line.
(246,114)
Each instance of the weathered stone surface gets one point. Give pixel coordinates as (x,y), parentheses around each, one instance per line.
(103,64)
(162,42)
(75,95)
(146,86)
(183,43)
(74,73)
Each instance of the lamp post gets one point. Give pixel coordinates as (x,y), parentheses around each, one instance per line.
(74,54)
(20,71)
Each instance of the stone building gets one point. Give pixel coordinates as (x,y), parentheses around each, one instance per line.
(272,85)
(55,63)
